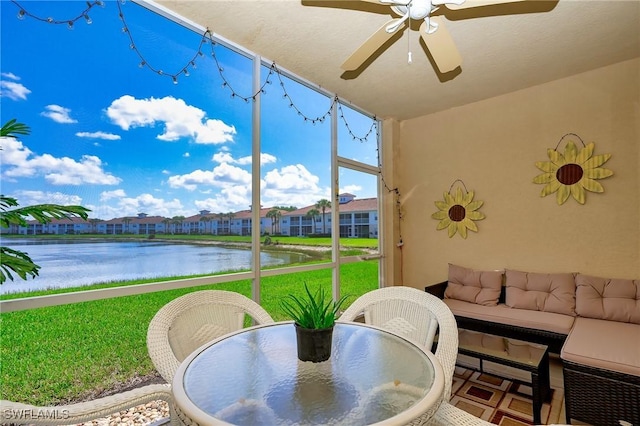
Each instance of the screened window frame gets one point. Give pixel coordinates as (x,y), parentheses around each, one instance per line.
(255,274)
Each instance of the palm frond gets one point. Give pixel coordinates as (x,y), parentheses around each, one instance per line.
(43,213)
(17,262)
(12,128)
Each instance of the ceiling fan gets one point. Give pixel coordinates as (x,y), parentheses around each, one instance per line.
(432,30)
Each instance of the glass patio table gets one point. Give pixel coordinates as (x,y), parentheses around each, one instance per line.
(254,377)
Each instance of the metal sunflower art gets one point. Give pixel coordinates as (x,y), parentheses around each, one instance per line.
(572,172)
(458,212)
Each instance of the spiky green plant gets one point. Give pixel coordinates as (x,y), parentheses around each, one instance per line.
(312,310)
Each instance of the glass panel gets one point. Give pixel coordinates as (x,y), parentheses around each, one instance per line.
(358,212)
(357,279)
(357,136)
(112,132)
(296,163)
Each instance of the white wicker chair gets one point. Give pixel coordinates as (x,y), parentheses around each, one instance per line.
(415,314)
(188,322)
(19,413)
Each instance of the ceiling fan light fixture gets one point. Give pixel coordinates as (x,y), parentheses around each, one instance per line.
(433,31)
(416,9)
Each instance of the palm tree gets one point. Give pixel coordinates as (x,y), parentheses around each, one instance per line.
(205,219)
(166,222)
(323,205)
(274,215)
(94,224)
(16,261)
(312,214)
(177,220)
(126,221)
(219,223)
(230,216)
(270,215)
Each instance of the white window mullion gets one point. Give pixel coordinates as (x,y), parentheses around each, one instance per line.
(335,203)
(255,181)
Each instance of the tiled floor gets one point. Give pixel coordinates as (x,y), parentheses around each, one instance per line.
(557,381)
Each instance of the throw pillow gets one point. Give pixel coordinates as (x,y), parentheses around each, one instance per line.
(480,287)
(541,292)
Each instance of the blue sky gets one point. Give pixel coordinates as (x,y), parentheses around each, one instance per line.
(122,139)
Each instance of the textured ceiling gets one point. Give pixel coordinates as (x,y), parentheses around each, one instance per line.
(504,47)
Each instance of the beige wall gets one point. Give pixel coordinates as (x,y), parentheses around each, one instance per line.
(492,146)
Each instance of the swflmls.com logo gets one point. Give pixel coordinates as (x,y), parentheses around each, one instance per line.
(35,414)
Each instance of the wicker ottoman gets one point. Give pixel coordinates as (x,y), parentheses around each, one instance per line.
(601,367)
(601,397)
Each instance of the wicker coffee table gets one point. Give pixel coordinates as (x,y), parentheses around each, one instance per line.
(512,359)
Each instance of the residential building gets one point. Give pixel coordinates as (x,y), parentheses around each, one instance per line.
(358,218)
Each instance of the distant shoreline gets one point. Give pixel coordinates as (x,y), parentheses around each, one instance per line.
(276,246)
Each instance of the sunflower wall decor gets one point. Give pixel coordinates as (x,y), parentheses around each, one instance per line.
(458,212)
(572,172)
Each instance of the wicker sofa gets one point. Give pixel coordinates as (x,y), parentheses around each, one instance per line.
(592,323)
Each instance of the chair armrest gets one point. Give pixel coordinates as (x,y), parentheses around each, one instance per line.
(437,289)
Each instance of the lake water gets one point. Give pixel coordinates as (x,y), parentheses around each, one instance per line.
(73,263)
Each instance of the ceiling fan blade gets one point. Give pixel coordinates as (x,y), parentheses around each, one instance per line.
(367,48)
(388,2)
(477,3)
(441,46)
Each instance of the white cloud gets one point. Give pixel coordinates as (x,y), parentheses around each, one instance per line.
(291,185)
(151,205)
(108,195)
(143,203)
(264,159)
(30,198)
(230,199)
(186,155)
(58,114)
(19,161)
(11,89)
(180,120)
(223,175)
(98,135)
(291,178)
(10,76)
(225,157)
(351,189)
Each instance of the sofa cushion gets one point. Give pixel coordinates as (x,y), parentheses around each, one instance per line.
(610,299)
(541,292)
(547,321)
(609,345)
(481,287)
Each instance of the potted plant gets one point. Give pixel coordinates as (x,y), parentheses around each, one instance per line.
(314,318)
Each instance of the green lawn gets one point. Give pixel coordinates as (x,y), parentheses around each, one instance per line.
(63,353)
